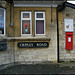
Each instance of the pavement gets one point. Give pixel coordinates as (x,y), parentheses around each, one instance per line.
(48,68)
(68,72)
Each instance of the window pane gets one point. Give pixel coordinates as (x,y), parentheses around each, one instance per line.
(26,15)
(39,15)
(39,27)
(1,21)
(26,27)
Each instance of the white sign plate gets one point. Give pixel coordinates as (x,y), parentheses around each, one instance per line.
(69,39)
(68,25)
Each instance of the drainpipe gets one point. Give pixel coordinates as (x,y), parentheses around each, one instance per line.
(11,3)
(51,17)
(11,24)
(58,9)
(57,38)
(10,14)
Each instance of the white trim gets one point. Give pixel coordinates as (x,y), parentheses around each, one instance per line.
(26,19)
(23,5)
(69,21)
(4,22)
(40,19)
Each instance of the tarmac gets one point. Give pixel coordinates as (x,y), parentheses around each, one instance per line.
(46,68)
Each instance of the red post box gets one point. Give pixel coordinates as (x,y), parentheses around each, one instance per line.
(69,40)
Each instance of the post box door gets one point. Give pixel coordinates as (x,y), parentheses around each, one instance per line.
(69,40)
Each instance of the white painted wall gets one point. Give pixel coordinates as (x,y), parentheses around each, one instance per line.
(73,2)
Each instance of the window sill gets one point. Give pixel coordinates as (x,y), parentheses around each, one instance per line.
(26,38)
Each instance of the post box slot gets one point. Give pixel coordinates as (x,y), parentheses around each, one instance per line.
(69,35)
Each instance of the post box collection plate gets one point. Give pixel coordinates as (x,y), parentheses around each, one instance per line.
(33,44)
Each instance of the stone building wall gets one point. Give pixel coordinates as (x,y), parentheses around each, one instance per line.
(36,54)
(66,55)
(7,56)
(13,36)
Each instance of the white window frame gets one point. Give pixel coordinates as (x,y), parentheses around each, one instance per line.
(4,21)
(40,19)
(26,19)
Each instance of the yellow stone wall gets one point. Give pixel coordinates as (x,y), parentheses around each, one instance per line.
(66,55)
(13,36)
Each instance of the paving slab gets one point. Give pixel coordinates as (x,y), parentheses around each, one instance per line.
(38,69)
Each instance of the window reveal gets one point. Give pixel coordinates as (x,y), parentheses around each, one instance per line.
(39,23)
(2,21)
(26,23)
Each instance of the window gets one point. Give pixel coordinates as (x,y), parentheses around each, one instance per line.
(39,23)
(26,23)
(2,21)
